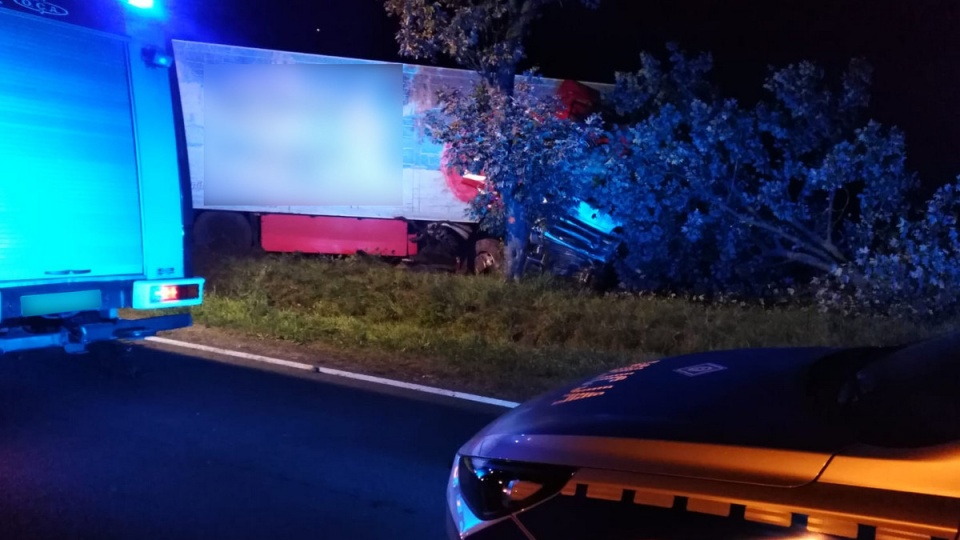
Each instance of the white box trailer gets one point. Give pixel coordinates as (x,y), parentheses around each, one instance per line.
(335,210)
(92,203)
(420,190)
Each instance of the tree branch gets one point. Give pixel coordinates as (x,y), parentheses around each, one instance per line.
(802,258)
(826,245)
(812,244)
(829,235)
(814,248)
(846,204)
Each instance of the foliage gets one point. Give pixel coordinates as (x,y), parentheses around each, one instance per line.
(800,191)
(911,270)
(721,198)
(669,145)
(483,35)
(517,142)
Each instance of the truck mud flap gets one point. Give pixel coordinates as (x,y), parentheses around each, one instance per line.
(75,338)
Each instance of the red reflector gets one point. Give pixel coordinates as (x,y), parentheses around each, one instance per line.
(188,292)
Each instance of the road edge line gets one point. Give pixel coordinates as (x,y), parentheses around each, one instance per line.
(336,372)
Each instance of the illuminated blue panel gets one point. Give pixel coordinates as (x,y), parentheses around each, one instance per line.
(142,4)
(69,197)
(596,218)
(303,135)
(159,168)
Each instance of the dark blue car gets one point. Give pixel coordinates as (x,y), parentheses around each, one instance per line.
(797,443)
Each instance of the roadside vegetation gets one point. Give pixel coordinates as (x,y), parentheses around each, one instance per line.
(484,334)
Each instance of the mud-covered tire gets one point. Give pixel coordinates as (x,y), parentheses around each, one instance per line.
(488,256)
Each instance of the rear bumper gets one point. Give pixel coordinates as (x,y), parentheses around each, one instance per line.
(71,315)
(75,337)
(104,295)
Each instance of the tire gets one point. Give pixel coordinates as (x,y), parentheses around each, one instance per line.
(488,256)
(223,232)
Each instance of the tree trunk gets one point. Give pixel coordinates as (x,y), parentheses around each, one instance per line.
(516,238)
(506,77)
(516,231)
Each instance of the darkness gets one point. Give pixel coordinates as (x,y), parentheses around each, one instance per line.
(914,46)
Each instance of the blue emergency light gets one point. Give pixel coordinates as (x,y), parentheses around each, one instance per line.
(149,9)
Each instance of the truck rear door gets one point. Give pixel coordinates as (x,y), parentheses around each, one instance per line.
(69,191)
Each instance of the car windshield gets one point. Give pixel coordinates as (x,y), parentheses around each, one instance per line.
(902,397)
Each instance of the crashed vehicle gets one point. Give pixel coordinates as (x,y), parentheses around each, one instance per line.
(580,246)
(799,443)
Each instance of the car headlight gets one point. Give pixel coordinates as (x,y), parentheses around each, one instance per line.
(495,488)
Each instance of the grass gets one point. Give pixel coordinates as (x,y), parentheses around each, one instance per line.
(481,333)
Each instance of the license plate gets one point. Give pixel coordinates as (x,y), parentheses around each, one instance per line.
(34,305)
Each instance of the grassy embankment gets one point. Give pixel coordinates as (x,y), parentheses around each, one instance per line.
(481,334)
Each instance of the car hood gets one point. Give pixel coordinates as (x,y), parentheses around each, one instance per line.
(740,415)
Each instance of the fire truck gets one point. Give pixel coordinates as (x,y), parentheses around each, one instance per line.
(94,211)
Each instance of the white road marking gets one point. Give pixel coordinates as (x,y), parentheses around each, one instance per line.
(337,372)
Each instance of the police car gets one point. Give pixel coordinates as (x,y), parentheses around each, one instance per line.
(798,443)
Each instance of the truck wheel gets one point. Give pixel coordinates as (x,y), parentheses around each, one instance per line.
(223,232)
(488,256)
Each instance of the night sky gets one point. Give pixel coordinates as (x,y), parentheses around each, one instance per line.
(914,46)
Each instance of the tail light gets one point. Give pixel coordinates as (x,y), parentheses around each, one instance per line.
(167,293)
(173,293)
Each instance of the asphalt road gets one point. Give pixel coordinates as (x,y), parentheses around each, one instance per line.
(163,445)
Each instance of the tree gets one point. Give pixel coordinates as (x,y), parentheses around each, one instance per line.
(672,137)
(486,36)
(670,234)
(716,196)
(517,138)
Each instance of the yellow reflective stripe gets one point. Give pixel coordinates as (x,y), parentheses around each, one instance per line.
(769,515)
(612,492)
(653,498)
(706,506)
(604,492)
(832,525)
(885,533)
(772,515)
